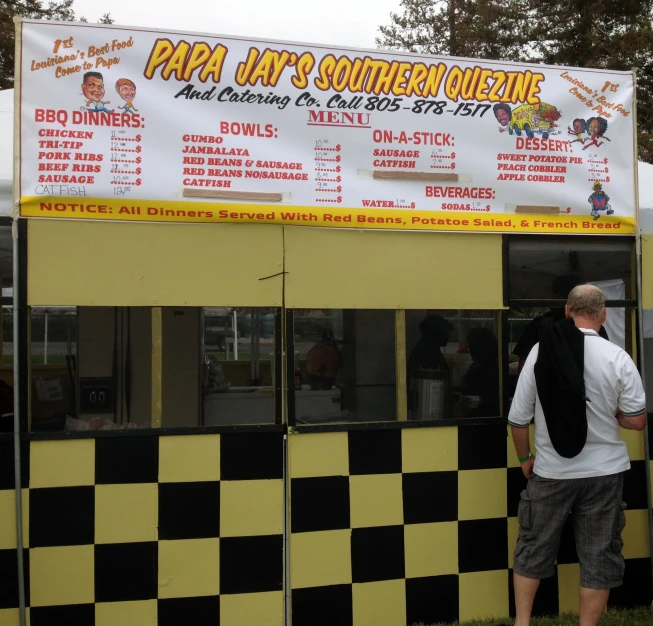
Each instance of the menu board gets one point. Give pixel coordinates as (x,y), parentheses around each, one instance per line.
(121,123)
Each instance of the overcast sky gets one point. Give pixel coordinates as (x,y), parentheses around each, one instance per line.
(339,22)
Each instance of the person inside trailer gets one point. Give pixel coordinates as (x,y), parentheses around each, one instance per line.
(482,377)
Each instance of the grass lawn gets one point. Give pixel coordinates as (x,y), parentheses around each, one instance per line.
(635,617)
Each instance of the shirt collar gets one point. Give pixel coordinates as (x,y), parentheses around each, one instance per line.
(588,331)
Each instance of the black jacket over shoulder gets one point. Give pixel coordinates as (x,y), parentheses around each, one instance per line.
(559,376)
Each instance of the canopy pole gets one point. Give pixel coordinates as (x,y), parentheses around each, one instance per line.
(18,55)
(17,457)
(640,318)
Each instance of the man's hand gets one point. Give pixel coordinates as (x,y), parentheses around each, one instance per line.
(527,467)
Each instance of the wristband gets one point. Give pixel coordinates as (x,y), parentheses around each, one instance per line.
(523,459)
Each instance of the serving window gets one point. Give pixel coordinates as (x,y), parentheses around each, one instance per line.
(453,364)
(362,366)
(344,366)
(540,273)
(114,368)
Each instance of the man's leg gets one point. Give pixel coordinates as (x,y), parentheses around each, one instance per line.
(525,590)
(598,522)
(543,511)
(593,603)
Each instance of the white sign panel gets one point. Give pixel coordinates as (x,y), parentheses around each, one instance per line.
(133,124)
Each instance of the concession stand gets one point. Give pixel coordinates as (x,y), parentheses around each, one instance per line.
(268,305)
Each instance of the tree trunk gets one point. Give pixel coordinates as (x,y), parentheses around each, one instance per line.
(453,40)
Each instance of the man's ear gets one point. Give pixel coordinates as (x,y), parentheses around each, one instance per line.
(604,316)
(567,314)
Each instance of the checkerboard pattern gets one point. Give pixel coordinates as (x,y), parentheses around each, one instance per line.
(400,527)
(126,531)
(389,527)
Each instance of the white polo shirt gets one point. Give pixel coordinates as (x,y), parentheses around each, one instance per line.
(611,382)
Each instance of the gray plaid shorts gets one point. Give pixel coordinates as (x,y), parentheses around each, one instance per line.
(596,507)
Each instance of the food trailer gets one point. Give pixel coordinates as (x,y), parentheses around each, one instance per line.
(266,302)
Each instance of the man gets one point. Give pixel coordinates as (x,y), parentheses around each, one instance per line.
(93,90)
(561,287)
(580,389)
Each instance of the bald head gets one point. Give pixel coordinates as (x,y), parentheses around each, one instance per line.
(588,303)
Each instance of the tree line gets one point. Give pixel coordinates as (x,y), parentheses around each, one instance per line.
(58,11)
(605,34)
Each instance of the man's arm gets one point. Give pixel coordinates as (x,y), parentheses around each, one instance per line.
(632,422)
(631,409)
(522,411)
(520,437)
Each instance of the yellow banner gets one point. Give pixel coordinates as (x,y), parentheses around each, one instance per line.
(388,219)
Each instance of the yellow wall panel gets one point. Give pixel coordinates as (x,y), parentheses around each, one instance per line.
(262,609)
(376,500)
(392,270)
(482,494)
(189,458)
(62,463)
(568,583)
(431,549)
(61,575)
(8,540)
(10,617)
(320,559)
(483,595)
(139,613)
(635,535)
(126,264)
(126,513)
(429,450)
(251,507)
(324,454)
(378,603)
(189,568)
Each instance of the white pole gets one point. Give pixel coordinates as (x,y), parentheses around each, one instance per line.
(235,336)
(45,340)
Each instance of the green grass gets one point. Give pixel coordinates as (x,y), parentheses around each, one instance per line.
(634,617)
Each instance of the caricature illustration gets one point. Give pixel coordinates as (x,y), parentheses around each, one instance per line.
(596,129)
(503,113)
(531,119)
(599,201)
(127,91)
(578,128)
(93,90)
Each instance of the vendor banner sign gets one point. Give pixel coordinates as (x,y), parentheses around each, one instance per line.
(122,123)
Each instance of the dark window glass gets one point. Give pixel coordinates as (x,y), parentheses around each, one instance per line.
(92,367)
(548,269)
(453,364)
(53,354)
(238,376)
(344,366)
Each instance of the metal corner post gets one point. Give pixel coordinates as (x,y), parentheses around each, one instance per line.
(17,413)
(640,319)
(17,295)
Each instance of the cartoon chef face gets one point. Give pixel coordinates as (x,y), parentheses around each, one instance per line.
(93,86)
